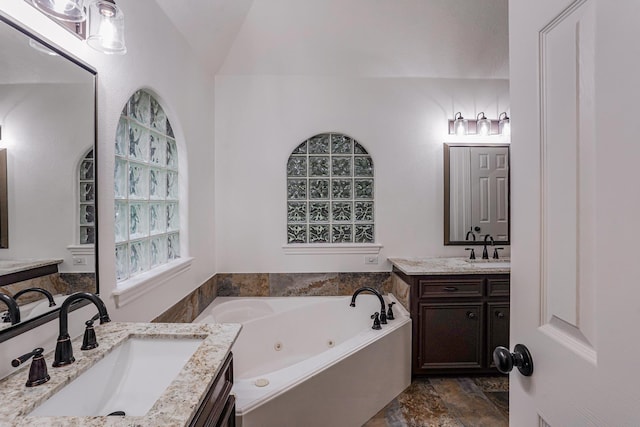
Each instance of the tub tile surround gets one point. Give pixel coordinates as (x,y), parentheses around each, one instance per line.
(189,307)
(448,402)
(300,284)
(175,407)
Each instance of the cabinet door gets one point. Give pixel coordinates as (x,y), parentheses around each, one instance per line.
(450,335)
(498,323)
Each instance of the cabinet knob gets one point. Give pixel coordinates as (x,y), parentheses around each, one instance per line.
(471,315)
(520,358)
(499,314)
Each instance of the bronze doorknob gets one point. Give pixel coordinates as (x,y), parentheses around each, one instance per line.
(520,358)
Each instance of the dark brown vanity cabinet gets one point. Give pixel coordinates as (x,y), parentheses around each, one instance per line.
(457,321)
(218,408)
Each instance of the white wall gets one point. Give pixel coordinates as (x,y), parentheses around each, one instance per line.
(43,153)
(389,74)
(158,58)
(401,122)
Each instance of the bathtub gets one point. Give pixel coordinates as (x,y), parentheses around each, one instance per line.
(314,361)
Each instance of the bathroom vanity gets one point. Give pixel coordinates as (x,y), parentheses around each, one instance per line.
(459,310)
(195,393)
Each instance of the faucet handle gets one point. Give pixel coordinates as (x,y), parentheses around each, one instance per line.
(473,253)
(89,340)
(376,321)
(390,311)
(38,371)
(495,252)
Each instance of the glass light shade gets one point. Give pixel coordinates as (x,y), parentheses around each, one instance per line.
(64,10)
(460,125)
(106,28)
(504,125)
(483,125)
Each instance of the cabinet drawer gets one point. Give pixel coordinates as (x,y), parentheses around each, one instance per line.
(459,288)
(498,287)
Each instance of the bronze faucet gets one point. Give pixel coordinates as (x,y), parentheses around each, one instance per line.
(64,351)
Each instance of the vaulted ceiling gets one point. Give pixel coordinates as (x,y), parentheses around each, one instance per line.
(373,38)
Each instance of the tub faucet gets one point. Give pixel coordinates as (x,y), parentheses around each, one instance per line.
(44,292)
(64,351)
(383,314)
(14,310)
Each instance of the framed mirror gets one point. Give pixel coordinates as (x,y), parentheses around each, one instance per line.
(48,134)
(476,193)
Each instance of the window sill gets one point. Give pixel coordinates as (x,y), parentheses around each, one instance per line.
(316,249)
(133,288)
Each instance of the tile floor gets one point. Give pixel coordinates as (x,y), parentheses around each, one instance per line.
(448,402)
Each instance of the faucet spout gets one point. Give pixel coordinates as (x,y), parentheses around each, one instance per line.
(64,351)
(12,305)
(383,313)
(44,292)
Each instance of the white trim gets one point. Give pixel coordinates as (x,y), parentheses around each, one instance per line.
(133,288)
(342,248)
(81,249)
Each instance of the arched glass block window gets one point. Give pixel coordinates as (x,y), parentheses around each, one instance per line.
(86,179)
(147,223)
(330,191)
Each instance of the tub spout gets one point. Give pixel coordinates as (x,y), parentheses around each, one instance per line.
(14,310)
(383,312)
(44,292)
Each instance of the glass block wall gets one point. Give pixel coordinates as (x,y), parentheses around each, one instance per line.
(86,176)
(147,218)
(330,191)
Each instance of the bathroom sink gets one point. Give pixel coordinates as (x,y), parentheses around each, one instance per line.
(130,379)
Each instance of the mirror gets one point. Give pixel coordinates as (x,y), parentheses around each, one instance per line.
(476,193)
(48,133)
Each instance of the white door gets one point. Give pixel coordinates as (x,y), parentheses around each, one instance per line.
(575,169)
(489,190)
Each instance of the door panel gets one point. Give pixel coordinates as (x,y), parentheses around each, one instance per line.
(575,209)
(489,192)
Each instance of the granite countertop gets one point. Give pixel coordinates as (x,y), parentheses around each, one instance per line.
(441,266)
(9,266)
(175,407)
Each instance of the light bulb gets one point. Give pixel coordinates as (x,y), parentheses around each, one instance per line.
(460,124)
(483,125)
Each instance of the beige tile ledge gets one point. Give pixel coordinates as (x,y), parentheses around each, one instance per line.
(175,407)
(449,265)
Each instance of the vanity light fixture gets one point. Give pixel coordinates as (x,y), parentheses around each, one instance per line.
(104,19)
(481,126)
(504,125)
(460,124)
(63,10)
(106,27)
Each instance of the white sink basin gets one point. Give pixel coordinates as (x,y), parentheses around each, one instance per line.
(130,378)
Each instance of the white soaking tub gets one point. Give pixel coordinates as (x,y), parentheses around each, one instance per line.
(314,361)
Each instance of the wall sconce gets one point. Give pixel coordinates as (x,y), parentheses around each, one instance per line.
(481,126)
(460,125)
(504,124)
(105,20)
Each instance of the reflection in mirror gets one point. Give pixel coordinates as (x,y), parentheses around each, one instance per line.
(476,193)
(47,114)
